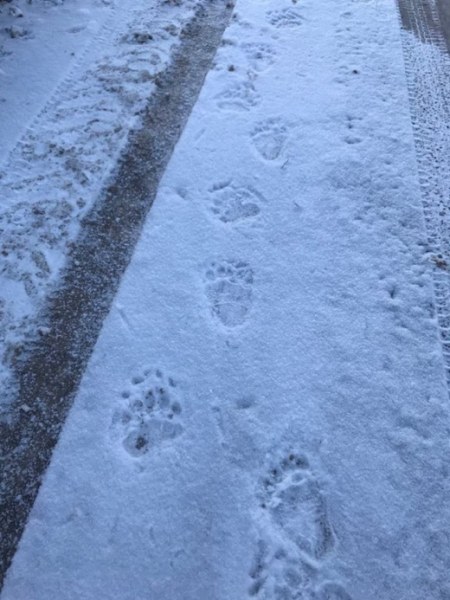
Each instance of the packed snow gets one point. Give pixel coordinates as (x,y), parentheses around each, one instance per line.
(265,414)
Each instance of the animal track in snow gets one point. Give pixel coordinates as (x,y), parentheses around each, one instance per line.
(332,591)
(151,413)
(228,288)
(231,204)
(287,566)
(260,55)
(294,499)
(276,576)
(288,17)
(240,96)
(269,138)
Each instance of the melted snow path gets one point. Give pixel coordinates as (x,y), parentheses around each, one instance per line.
(265,414)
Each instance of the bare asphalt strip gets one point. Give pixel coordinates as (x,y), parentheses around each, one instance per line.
(50,372)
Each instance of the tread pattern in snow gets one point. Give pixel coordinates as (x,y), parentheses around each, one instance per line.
(48,377)
(427,69)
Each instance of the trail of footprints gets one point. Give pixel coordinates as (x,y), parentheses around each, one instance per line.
(297,536)
(228,283)
(259,56)
(150,414)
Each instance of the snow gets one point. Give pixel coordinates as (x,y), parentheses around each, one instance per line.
(78,82)
(55,36)
(266,412)
(427,66)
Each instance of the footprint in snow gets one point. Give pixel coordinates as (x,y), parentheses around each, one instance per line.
(269,137)
(232,204)
(288,17)
(260,55)
(138,37)
(275,575)
(293,498)
(294,507)
(239,96)
(228,287)
(332,591)
(150,414)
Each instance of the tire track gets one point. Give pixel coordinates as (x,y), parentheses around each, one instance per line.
(428,78)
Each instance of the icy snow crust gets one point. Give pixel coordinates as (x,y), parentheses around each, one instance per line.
(53,173)
(265,414)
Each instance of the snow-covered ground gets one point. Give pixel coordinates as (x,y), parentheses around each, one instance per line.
(265,414)
(73,85)
(428,67)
